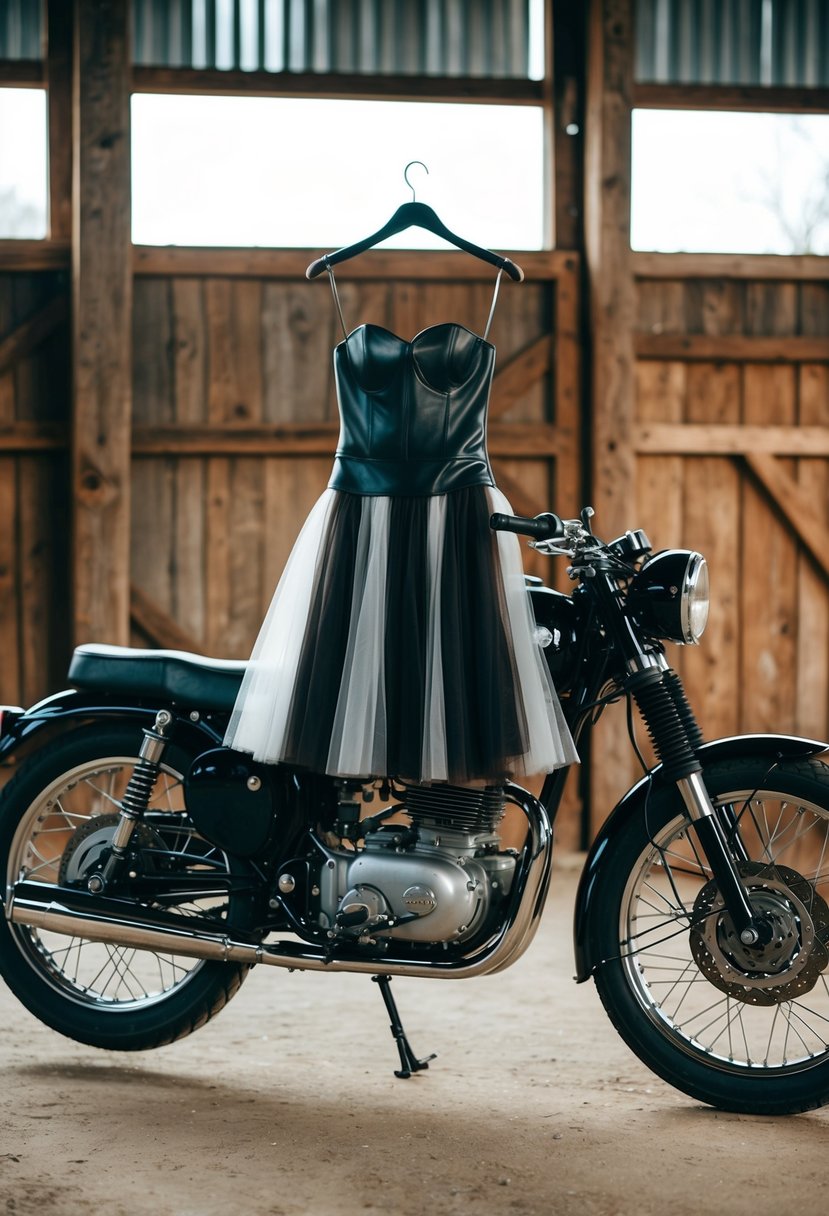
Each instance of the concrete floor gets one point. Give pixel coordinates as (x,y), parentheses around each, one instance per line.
(286,1104)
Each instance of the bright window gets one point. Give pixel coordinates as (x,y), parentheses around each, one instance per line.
(730,182)
(23,163)
(320,174)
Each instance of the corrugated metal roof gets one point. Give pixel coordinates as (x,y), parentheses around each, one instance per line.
(752,42)
(429,37)
(21,29)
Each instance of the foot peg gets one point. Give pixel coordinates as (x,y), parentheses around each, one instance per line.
(409,1062)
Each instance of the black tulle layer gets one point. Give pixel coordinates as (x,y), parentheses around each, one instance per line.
(483,721)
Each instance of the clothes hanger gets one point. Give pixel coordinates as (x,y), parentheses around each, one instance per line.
(414,215)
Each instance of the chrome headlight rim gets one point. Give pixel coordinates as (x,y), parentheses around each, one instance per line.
(695,582)
(668,596)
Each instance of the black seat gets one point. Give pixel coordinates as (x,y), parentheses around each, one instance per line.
(166,675)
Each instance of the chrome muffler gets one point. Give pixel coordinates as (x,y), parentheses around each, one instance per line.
(77,913)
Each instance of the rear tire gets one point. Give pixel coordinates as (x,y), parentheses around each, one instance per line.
(741,1031)
(107,996)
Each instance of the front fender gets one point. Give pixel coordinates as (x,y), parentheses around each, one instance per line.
(72,708)
(783,747)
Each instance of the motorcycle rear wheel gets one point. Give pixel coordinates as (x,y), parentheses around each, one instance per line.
(107,996)
(742,1030)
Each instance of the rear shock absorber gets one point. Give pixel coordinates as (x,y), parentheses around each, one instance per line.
(135,799)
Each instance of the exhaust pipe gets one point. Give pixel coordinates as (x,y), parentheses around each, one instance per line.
(78,913)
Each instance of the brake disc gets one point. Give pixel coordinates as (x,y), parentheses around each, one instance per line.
(782,969)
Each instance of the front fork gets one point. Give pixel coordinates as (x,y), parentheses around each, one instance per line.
(135,800)
(676,738)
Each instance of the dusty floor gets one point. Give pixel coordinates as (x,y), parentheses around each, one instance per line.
(286,1104)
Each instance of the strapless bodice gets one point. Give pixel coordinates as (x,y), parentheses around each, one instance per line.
(412,413)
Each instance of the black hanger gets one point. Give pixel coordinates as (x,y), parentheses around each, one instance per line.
(414,215)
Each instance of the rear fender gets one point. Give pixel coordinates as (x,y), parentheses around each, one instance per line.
(632,805)
(64,710)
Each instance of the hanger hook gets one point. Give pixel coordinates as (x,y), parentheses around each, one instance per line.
(406,175)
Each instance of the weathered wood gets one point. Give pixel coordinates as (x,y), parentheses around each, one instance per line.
(783,99)
(796,503)
(737,348)
(340,85)
(612,317)
(102,301)
(514,378)
(158,626)
(59,72)
(566,78)
(768,571)
(711,524)
(772,266)
(812,590)
(28,335)
(34,255)
(10,668)
(398,264)
(191,395)
(294,439)
(22,73)
(31,436)
(730,439)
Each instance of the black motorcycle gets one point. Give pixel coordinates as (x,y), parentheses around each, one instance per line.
(148,868)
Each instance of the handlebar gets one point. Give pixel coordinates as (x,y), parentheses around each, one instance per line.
(541,527)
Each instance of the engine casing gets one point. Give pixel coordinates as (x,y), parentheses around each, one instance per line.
(442,888)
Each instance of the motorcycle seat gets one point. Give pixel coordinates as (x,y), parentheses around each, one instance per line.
(167,675)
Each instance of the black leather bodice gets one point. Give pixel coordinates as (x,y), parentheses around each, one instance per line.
(412,414)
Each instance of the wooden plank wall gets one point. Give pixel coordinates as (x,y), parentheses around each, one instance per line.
(731,443)
(35,617)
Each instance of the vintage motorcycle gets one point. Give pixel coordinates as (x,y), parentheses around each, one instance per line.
(148,868)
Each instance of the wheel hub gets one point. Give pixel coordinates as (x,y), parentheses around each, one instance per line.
(87,847)
(791,954)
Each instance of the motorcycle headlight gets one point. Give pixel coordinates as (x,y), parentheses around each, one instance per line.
(669,596)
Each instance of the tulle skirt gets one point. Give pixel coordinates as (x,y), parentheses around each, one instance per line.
(400,643)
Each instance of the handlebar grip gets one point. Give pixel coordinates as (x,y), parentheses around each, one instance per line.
(541,527)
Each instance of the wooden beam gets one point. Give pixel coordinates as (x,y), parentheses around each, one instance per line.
(612,295)
(720,439)
(567,79)
(33,437)
(612,300)
(34,255)
(731,348)
(59,69)
(505,439)
(519,374)
(338,85)
(102,322)
(158,626)
(30,333)
(772,266)
(796,504)
(538,265)
(772,98)
(22,73)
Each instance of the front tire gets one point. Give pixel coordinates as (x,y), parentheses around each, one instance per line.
(742,1030)
(107,996)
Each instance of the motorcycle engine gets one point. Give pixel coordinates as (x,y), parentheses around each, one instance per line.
(435,880)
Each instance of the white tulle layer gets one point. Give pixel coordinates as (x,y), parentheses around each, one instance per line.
(259,721)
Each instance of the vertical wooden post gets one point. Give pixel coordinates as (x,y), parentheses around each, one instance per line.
(59,76)
(101,322)
(612,306)
(568,70)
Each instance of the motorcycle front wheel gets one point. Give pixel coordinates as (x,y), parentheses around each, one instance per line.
(55,814)
(742,1028)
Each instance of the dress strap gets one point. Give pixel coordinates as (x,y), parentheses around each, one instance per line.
(494,302)
(336,297)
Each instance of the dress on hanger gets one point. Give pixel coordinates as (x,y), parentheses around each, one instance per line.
(400,639)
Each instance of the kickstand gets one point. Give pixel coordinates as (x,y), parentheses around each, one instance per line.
(408,1060)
